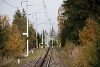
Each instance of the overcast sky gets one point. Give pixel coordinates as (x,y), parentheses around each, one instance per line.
(51,10)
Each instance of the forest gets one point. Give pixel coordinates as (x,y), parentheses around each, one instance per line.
(12,40)
(80,32)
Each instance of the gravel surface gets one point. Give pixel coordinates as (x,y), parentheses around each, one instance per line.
(55,60)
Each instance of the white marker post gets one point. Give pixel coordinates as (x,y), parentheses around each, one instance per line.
(18,61)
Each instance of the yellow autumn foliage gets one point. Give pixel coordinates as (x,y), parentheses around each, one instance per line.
(15,44)
(88,57)
(90,33)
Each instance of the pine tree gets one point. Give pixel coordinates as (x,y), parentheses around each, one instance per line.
(32,36)
(90,32)
(15,44)
(4,23)
(90,49)
(77,11)
(20,20)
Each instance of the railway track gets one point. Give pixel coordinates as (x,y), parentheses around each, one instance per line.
(44,59)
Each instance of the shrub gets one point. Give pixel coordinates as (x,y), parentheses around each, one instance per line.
(88,56)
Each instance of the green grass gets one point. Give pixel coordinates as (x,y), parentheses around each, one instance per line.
(37,53)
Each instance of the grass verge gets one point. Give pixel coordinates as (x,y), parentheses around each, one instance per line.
(32,57)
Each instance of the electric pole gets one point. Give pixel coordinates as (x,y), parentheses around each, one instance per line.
(27,33)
